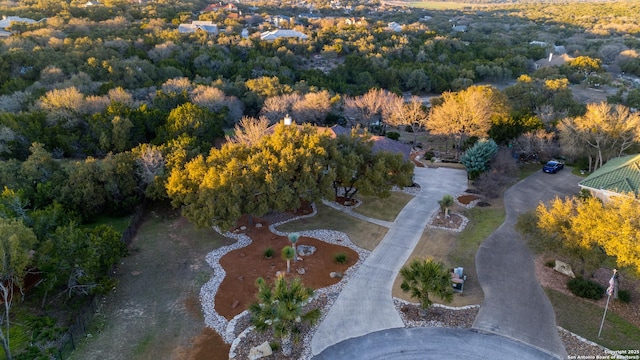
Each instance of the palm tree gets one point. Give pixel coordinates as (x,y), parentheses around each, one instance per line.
(293,237)
(287,254)
(424,277)
(280,307)
(445,204)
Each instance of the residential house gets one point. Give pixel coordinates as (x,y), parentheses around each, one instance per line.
(394,26)
(282,33)
(8,20)
(4,33)
(206,26)
(219,6)
(459,28)
(380,143)
(618,176)
(553,60)
(279,20)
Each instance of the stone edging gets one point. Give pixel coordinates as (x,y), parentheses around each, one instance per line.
(208,291)
(464,223)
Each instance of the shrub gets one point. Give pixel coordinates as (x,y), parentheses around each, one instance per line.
(624,296)
(393,135)
(585,288)
(268,252)
(550,263)
(340,258)
(408,129)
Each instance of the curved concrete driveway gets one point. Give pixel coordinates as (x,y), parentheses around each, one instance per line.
(365,305)
(514,304)
(432,343)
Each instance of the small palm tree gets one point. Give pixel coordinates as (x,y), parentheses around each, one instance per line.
(293,237)
(424,277)
(288,254)
(280,307)
(445,204)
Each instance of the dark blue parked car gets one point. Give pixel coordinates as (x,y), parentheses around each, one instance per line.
(553,167)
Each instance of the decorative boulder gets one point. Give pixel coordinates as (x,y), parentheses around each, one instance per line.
(260,351)
(335,275)
(564,268)
(305,250)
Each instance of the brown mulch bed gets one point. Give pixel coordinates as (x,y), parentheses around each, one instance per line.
(243,266)
(467,199)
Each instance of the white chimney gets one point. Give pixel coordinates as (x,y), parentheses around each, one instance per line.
(287,120)
(550,56)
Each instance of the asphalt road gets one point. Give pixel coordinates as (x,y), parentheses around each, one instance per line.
(432,343)
(514,304)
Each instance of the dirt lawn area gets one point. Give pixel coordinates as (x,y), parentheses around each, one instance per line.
(154,312)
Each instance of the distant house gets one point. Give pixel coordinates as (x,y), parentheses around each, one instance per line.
(8,20)
(206,26)
(219,6)
(394,26)
(4,33)
(459,28)
(91,3)
(538,43)
(282,33)
(618,176)
(553,60)
(279,20)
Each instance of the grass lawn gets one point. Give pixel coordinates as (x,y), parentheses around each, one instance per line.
(384,209)
(118,223)
(458,249)
(583,318)
(154,309)
(361,233)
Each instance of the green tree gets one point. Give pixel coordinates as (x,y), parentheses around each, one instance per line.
(77,261)
(424,277)
(16,241)
(477,159)
(280,307)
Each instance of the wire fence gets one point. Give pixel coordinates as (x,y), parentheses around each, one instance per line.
(69,340)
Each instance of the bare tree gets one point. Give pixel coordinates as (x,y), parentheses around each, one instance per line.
(412,113)
(276,107)
(370,108)
(534,144)
(150,163)
(249,131)
(313,108)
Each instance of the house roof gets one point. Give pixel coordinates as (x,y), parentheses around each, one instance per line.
(280,33)
(7,20)
(206,26)
(380,143)
(619,175)
(554,60)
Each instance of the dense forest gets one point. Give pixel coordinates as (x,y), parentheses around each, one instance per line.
(105,104)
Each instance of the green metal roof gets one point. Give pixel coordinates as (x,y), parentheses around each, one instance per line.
(621,175)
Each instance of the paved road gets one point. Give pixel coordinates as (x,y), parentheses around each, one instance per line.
(432,343)
(514,304)
(365,305)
